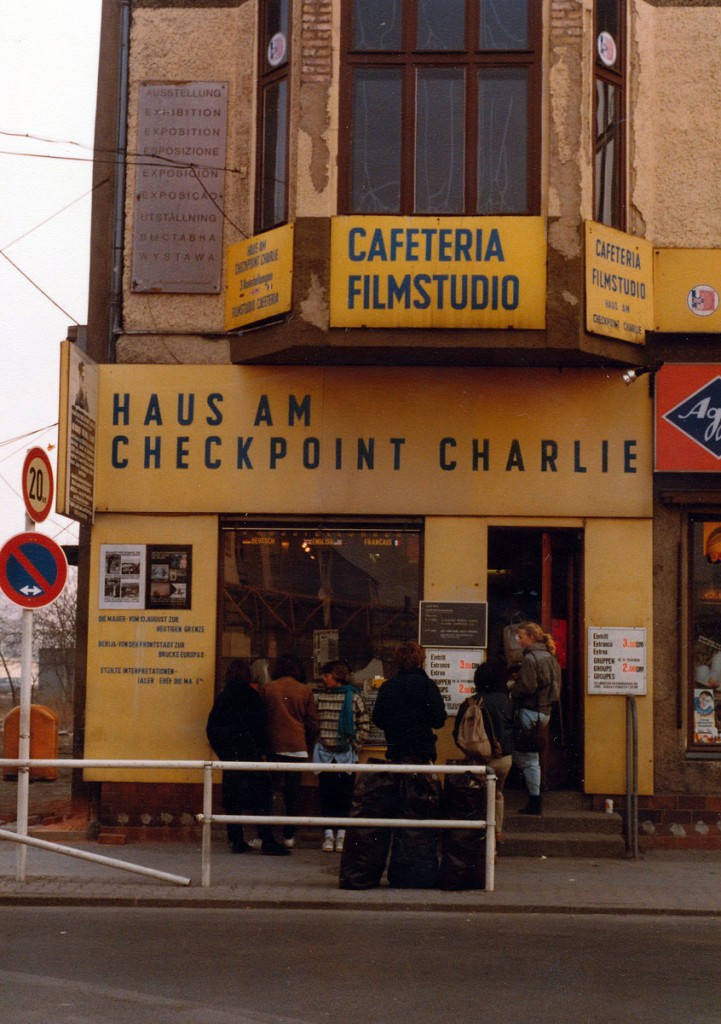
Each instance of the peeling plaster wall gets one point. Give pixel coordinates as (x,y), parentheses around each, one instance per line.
(317,137)
(569,177)
(676,186)
(223,49)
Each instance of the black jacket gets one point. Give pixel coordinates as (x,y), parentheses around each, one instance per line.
(409,707)
(236,728)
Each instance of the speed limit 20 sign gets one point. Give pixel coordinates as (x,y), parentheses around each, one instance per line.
(38,485)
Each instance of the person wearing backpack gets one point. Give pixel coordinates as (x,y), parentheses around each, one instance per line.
(536,687)
(491,682)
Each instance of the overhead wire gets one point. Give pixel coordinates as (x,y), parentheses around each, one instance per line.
(27,277)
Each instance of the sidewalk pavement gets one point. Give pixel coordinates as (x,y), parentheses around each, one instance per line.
(659,882)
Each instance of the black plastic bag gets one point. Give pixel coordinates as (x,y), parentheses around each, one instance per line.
(463,860)
(414,851)
(365,850)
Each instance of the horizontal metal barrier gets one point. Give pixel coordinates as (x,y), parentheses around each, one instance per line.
(207,818)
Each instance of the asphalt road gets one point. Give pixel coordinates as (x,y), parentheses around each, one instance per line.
(104,965)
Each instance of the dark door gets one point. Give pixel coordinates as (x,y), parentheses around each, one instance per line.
(535,575)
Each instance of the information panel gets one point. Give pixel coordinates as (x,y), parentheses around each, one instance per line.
(453,671)
(617,660)
(453,624)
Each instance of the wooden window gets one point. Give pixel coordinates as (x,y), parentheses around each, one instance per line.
(273,64)
(441,103)
(609,204)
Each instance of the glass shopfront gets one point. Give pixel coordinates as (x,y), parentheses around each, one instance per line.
(705,634)
(321,591)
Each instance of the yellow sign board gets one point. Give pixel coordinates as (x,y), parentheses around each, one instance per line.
(259,278)
(457,272)
(375,440)
(619,284)
(151,664)
(688,285)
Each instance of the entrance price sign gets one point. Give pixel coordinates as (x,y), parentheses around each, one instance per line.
(33,570)
(617,660)
(38,484)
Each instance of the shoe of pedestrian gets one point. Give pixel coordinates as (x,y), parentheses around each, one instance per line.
(533,806)
(328,843)
(289,842)
(274,849)
(241,847)
(255,844)
(339,841)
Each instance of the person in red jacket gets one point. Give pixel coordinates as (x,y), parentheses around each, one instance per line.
(292,720)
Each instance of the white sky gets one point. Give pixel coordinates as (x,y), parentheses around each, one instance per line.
(48,77)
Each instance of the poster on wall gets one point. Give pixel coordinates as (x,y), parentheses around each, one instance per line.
(617,660)
(77,434)
(168,576)
(452,671)
(705,729)
(122,576)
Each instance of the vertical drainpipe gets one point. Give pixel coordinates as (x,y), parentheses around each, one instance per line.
(116,280)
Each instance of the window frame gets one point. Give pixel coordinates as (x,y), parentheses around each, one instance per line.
(409,60)
(610,78)
(268,78)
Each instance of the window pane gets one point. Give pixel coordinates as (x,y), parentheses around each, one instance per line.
(276,33)
(607,17)
(606,185)
(440,128)
(502,142)
(441,25)
(504,25)
(371,580)
(376,182)
(377,25)
(275,114)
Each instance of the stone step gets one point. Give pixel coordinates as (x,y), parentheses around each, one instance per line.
(562,844)
(572,822)
(568,827)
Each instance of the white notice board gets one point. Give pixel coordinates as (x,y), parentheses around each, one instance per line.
(617,660)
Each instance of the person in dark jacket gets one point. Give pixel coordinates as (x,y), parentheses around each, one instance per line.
(409,707)
(236,731)
(491,682)
(531,692)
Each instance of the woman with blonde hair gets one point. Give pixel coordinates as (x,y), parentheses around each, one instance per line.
(539,674)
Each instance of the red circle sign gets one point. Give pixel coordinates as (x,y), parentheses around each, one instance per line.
(33,570)
(38,487)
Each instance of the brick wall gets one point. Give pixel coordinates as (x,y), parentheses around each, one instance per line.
(316,41)
(674,820)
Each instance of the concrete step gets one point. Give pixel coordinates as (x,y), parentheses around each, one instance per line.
(562,844)
(568,827)
(575,822)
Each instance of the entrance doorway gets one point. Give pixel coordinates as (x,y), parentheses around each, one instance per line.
(536,575)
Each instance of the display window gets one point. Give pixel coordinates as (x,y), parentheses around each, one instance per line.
(320,592)
(705,634)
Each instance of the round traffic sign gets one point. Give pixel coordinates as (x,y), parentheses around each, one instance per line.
(38,484)
(33,570)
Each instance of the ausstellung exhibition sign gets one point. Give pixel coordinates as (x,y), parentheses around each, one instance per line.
(179,187)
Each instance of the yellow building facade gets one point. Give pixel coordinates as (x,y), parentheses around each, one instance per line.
(365,283)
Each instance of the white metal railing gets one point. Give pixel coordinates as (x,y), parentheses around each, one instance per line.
(207,818)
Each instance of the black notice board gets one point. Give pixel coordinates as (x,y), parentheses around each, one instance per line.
(453,624)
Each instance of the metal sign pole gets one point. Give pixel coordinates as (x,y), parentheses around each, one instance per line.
(26,684)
